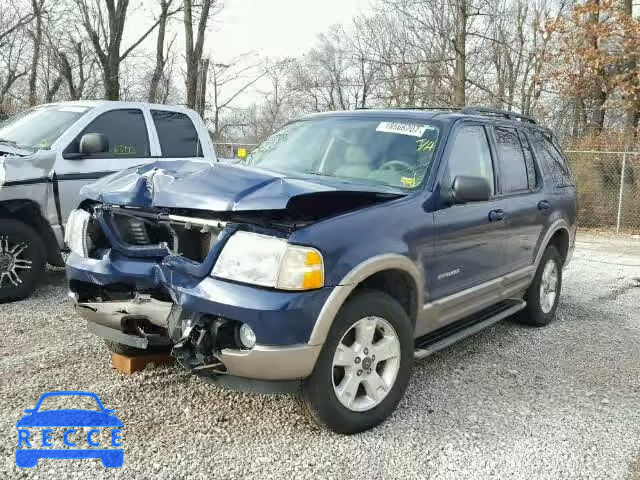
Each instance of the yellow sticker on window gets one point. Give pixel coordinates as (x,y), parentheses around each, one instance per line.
(124,150)
(425,145)
(408,182)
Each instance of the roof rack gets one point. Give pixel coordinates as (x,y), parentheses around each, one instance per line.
(410,108)
(495,112)
(499,113)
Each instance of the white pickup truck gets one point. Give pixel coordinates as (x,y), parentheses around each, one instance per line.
(49,152)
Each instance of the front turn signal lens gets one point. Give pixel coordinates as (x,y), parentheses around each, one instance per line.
(302,269)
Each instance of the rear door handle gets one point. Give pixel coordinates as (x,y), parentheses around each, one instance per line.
(496,215)
(544,205)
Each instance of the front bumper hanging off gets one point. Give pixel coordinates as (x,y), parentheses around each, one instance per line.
(113,320)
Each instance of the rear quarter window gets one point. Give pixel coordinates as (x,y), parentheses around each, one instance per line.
(550,153)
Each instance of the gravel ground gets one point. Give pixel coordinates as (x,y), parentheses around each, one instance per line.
(511,402)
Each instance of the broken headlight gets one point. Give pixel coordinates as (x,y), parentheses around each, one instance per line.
(269,262)
(75,235)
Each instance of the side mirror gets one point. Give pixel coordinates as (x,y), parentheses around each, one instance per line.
(470,189)
(93,143)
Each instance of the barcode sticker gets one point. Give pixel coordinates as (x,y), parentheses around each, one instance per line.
(412,129)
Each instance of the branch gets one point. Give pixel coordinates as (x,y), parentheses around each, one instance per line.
(146,34)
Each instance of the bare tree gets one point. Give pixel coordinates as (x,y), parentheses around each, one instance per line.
(105,30)
(194,46)
(12,66)
(161,54)
(11,20)
(37,7)
(228,81)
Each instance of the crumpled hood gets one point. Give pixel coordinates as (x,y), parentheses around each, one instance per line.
(216,187)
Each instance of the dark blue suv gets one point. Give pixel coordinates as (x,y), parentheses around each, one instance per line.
(345,246)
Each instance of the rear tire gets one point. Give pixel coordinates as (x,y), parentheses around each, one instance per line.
(22,260)
(544,292)
(350,391)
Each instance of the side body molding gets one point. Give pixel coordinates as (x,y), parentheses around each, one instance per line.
(357,275)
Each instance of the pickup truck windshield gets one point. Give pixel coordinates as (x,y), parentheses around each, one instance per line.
(394,152)
(39,127)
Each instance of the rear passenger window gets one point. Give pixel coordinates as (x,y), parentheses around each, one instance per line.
(550,152)
(470,156)
(178,137)
(513,171)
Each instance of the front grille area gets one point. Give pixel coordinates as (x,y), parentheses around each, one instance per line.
(185,238)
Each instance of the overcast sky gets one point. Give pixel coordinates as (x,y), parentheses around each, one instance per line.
(268,28)
(277,28)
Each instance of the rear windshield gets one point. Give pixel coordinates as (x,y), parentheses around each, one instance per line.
(397,153)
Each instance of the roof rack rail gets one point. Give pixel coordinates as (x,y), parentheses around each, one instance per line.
(499,113)
(409,108)
(469,110)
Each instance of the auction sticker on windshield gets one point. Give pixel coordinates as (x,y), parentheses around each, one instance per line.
(69,433)
(413,129)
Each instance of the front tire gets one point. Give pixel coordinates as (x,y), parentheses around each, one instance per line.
(544,292)
(22,260)
(364,367)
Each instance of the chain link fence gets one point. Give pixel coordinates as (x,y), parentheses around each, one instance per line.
(607,182)
(608,188)
(228,151)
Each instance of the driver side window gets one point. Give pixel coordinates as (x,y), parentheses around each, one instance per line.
(470,156)
(125,131)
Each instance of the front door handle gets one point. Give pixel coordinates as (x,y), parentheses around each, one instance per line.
(496,215)
(544,205)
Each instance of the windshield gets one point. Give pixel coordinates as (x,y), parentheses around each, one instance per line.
(398,153)
(39,127)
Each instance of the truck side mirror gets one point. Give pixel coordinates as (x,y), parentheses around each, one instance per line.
(93,143)
(470,189)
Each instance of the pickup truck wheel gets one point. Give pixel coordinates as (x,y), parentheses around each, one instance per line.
(544,292)
(22,260)
(364,367)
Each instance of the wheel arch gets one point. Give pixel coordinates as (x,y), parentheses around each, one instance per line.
(394,274)
(559,235)
(28,212)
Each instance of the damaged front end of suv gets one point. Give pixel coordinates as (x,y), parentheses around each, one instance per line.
(204,261)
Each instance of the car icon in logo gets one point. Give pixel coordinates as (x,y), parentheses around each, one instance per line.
(35,433)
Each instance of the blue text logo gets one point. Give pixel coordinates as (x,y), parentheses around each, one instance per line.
(82,431)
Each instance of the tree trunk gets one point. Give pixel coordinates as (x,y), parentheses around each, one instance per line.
(111,75)
(160,59)
(633,99)
(36,5)
(596,121)
(202,87)
(193,51)
(460,48)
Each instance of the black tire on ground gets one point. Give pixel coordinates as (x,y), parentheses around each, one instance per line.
(20,242)
(534,315)
(318,392)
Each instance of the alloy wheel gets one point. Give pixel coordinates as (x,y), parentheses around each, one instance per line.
(366,363)
(13,261)
(549,286)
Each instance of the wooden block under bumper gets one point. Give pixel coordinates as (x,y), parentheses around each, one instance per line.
(128,365)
